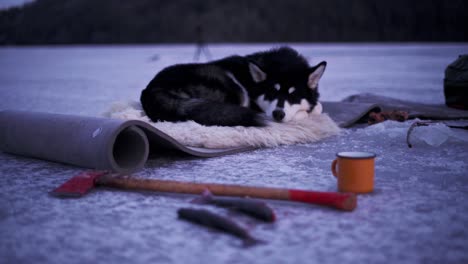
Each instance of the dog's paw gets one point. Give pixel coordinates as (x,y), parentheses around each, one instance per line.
(317,109)
(301,115)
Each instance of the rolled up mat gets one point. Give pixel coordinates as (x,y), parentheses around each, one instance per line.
(99,143)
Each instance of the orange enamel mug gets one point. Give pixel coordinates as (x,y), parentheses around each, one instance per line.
(354,171)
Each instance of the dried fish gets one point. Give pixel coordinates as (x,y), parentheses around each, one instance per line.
(252,207)
(209,219)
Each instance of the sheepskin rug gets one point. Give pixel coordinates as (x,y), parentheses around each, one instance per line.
(314,127)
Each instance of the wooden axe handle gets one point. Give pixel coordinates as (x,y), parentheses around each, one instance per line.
(342,201)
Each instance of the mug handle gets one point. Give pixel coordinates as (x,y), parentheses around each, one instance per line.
(333,168)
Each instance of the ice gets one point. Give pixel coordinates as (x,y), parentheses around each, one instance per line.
(392,129)
(434,135)
(417,214)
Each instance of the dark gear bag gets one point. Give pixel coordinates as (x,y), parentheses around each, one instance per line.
(456,83)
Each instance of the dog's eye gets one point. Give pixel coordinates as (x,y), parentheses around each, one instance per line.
(291,90)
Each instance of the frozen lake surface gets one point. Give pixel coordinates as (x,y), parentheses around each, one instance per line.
(417,214)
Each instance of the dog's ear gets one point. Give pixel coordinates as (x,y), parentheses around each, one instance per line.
(257,74)
(316,74)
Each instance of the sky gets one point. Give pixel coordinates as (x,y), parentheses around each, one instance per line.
(9,3)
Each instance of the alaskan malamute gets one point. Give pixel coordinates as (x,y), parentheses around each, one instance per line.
(247,90)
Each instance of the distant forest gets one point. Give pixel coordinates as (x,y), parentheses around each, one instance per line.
(181,21)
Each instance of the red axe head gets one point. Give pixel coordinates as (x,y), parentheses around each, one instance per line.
(78,185)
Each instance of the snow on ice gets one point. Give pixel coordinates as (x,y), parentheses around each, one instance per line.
(417,214)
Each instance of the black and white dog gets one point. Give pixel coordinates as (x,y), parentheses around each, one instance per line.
(237,90)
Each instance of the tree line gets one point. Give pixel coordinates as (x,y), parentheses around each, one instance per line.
(182,21)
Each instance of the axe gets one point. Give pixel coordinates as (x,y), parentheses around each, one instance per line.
(86,181)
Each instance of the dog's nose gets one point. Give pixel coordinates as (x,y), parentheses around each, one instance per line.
(278,115)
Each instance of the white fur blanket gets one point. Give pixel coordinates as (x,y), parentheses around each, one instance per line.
(311,129)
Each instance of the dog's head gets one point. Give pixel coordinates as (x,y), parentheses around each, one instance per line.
(291,95)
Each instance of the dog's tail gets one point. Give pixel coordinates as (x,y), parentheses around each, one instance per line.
(205,112)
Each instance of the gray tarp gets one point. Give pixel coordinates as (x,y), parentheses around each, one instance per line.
(123,146)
